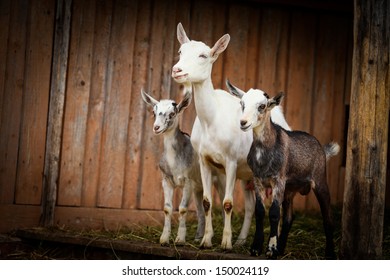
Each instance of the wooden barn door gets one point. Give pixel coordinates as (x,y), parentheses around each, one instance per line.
(26,41)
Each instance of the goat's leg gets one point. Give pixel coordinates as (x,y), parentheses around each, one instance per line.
(231,167)
(207,181)
(288,217)
(168,197)
(198,197)
(182,230)
(321,192)
(249,209)
(220,184)
(274,218)
(258,240)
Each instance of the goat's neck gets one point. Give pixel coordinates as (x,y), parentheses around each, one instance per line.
(265,132)
(205,103)
(170,137)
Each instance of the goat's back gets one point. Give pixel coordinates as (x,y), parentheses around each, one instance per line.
(306,156)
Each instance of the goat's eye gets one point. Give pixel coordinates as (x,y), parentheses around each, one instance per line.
(242,106)
(261,107)
(203,56)
(171,115)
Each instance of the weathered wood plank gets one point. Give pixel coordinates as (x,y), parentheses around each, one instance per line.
(115,126)
(35,103)
(338,118)
(137,123)
(96,105)
(14,217)
(273,52)
(76,106)
(254,44)
(365,179)
(12,99)
(140,249)
(56,110)
(5,12)
(235,58)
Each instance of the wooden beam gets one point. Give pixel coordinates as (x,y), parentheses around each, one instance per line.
(365,182)
(56,110)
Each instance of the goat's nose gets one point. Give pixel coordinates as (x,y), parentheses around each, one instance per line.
(243,123)
(176,70)
(156,128)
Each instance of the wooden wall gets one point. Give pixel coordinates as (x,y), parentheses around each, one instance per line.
(109,154)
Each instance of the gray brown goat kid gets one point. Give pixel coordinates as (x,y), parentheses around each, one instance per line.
(179,166)
(286,162)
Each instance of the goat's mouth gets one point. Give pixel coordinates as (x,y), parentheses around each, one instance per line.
(179,78)
(246,127)
(160,131)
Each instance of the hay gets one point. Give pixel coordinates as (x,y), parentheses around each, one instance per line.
(306,240)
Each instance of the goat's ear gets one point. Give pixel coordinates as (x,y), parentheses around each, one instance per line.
(148,99)
(181,34)
(220,45)
(185,101)
(235,91)
(276,100)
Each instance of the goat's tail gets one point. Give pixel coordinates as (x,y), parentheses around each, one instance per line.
(331,149)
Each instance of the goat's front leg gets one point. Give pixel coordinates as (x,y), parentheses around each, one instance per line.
(182,230)
(258,240)
(207,181)
(274,218)
(168,197)
(230,168)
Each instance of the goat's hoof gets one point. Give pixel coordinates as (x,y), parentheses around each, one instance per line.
(227,246)
(255,252)
(180,242)
(240,242)
(197,240)
(272,253)
(205,244)
(164,244)
(256,248)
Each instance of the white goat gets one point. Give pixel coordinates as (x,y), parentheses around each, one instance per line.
(285,162)
(216,135)
(179,166)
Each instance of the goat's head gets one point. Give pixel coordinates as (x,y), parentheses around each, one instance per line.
(196,58)
(166,111)
(256,105)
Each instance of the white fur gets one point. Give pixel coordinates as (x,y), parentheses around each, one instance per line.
(216,132)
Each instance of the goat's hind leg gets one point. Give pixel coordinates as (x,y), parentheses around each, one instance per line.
(288,218)
(322,194)
(182,230)
(249,209)
(198,197)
